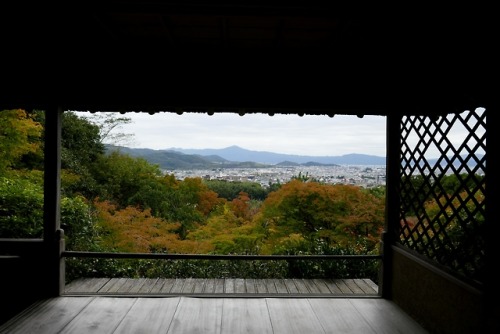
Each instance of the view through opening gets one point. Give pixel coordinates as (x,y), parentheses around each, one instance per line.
(248,195)
(226,184)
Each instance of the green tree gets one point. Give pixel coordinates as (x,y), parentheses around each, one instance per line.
(231,190)
(81,147)
(225,233)
(80,141)
(21,214)
(21,208)
(378,191)
(125,179)
(108,124)
(454,184)
(188,202)
(19,135)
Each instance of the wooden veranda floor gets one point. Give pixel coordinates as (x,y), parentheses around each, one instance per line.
(186,315)
(226,287)
(233,306)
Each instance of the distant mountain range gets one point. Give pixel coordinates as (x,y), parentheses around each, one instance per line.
(236,153)
(235,156)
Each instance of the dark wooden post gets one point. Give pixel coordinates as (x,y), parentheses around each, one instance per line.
(52,234)
(393,166)
(491,293)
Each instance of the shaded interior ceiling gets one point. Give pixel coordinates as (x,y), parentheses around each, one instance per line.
(252,56)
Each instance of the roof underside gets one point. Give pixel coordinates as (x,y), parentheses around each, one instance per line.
(252,56)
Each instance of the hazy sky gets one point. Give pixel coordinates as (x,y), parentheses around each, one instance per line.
(311,135)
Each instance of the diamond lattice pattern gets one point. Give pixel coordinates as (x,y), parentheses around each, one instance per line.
(442,189)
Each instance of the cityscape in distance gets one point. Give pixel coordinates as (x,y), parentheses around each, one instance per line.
(238,164)
(234,163)
(363,176)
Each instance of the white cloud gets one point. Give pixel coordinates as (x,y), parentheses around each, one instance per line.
(312,135)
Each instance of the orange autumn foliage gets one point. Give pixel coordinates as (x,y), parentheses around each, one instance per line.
(338,214)
(240,206)
(208,200)
(134,230)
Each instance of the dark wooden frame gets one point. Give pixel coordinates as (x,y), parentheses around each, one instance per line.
(364,80)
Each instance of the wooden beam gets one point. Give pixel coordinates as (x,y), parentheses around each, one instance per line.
(393,134)
(53,236)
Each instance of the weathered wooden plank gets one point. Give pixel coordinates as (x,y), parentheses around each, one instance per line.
(167,286)
(114,285)
(156,288)
(371,284)
(91,285)
(301,286)
(334,289)
(136,285)
(222,286)
(386,317)
(130,283)
(280,286)
(311,286)
(177,285)
(250,285)
(107,314)
(199,285)
(343,286)
(321,286)
(219,285)
(239,285)
(102,315)
(290,286)
(77,284)
(260,286)
(148,284)
(242,315)
(354,287)
(49,316)
(229,285)
(363,285)
(188,286)
(270,285)
(292,316)
(197,315)
(149,315)
(338,315)
(209,286)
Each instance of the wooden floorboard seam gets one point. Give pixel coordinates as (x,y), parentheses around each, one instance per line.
(228,287)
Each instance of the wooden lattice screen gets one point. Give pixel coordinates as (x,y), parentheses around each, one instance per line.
(442,189)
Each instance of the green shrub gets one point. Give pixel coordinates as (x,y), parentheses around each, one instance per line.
(21,209)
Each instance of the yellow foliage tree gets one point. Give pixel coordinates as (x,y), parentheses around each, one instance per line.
(337,214)
(19,134)
(134,230)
